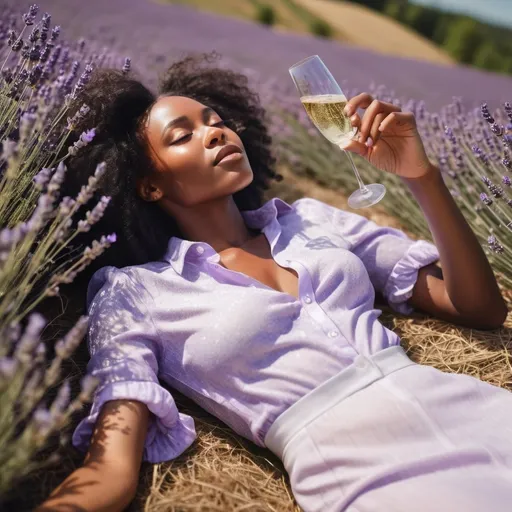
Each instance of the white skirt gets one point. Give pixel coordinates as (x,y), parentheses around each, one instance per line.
(389,435)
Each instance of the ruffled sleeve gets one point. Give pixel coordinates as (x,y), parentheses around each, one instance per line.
(391,258)
(125,352)
(403,277)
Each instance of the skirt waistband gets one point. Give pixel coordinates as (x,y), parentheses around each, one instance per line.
(360,374)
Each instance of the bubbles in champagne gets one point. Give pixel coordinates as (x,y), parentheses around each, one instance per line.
(326,112)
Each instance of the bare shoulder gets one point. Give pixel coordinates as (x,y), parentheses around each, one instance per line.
(119,436)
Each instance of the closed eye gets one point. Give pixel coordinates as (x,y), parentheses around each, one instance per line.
(185,137)
(181,139)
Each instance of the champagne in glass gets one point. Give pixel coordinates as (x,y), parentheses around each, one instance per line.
(324,102)
(326,112)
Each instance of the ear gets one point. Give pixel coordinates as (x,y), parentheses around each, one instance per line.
(147,190)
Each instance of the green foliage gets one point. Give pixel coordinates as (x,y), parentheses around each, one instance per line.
(463,40)
(396,9)
(487,57)
(265,14)
(378,5)
(321,28)
(422,19)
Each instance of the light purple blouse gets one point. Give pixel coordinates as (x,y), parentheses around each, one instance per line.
(242,350)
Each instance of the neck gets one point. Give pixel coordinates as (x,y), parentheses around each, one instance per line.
(218,223)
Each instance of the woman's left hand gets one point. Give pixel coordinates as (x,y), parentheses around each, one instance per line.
(387,137)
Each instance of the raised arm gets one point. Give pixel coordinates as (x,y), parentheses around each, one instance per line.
(466,291)
(107,481)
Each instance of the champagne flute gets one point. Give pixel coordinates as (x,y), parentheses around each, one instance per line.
(324,102)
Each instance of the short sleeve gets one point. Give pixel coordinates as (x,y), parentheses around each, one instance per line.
(391,258)
(124,348)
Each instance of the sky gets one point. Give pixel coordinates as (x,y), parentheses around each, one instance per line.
(494,11)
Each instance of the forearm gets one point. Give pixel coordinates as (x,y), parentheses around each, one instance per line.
(89,489)
(469,279)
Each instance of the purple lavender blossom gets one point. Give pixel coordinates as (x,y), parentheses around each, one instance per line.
(43,421)
(84,139)
(8,367)
(485,199)
(77,117)
(127,65)
(67,345)
(61,401)
(486,114)
(507,181)
(45,26)
(480,155)
(66,205)
(88,385)
(508,110)
(92,217)
(82,81)
(42,178)
(494,245)
(30,16)
(496,191)
(30,338)
(86,192)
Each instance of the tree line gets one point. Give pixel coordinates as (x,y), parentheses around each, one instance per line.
(467,40)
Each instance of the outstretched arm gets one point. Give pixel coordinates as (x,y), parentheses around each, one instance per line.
(107,481)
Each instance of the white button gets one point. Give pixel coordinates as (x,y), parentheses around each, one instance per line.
(333,334)
(200,249)
(307,299)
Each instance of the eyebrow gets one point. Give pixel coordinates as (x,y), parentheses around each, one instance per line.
(205,114)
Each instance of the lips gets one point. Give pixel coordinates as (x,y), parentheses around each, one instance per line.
(225,151)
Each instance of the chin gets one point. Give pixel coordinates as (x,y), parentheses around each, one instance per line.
(243,179)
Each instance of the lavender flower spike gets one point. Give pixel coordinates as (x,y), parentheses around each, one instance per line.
(87,191)
(85,138)
(43,422)
(66,346)
(95,215)
(127,65)
(30,338)
(98,248)
(30,16)
(8,367)
(42,178)
(494,245)
(485,199)
(62,400)
(88,384)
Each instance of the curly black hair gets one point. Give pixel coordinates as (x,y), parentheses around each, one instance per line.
(119,106)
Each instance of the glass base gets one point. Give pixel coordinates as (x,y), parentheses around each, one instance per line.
(370,195)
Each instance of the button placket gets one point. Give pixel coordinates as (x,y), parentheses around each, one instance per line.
(307,295)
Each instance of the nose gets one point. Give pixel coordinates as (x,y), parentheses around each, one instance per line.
(214,135)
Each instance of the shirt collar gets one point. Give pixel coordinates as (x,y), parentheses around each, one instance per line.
(179,250)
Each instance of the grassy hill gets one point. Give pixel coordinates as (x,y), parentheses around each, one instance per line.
(352,24)
(290,16)
(366,28)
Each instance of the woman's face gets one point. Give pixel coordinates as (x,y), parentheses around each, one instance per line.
(187,141)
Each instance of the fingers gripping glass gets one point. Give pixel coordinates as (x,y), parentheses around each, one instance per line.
(324,102)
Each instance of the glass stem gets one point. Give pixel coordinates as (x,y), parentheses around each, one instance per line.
(362,186)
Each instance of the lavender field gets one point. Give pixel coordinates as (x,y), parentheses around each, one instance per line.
(153,33)
(463,115)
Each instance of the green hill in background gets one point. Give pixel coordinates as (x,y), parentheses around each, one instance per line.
(466,39)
